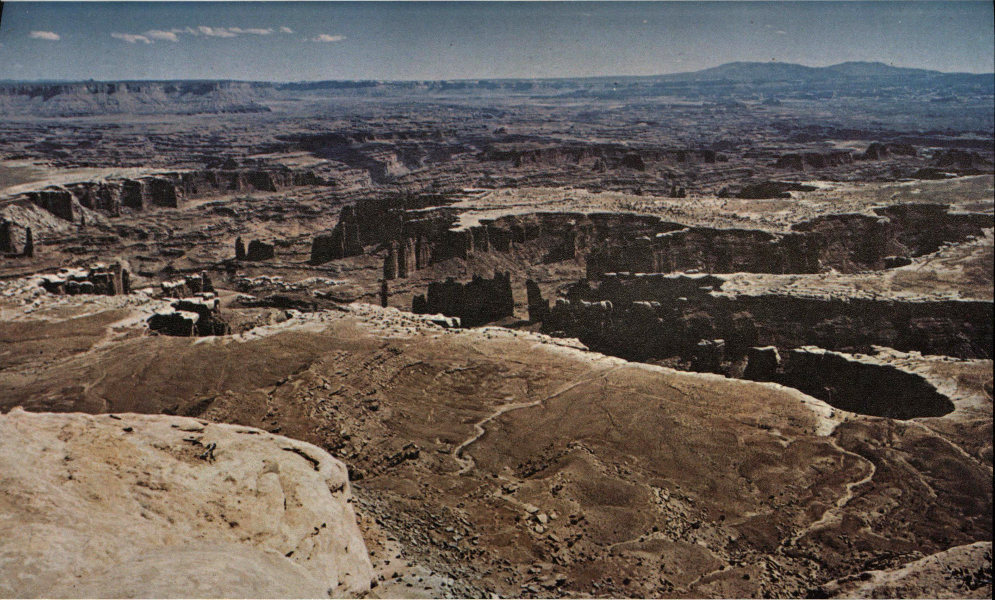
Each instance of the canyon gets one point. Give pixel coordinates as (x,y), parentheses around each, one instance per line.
(706,335)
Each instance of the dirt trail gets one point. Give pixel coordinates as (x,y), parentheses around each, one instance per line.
(831,513)
(467,463)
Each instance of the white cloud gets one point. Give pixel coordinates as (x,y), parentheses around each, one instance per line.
(131,38)
(324,37)
(215,31)
(250,31)
(286,29)
(172,35)
(158,34)
(781,32)
(45,35)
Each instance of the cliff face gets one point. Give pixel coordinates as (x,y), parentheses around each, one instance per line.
(477,302)
(600,157)
(157,506)
(846,243)
(813,160)
(167,190)
(708,250)
(380,220)
(659,316)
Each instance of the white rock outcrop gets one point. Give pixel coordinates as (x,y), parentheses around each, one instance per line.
(161,506)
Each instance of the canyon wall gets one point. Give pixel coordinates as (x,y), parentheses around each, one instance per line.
(167,190)
(847,243)
(641,317)
(415,232)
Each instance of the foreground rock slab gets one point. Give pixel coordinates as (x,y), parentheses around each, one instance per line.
(158,506)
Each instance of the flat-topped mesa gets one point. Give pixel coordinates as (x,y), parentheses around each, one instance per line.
(648,316)
(194,316)
(846,242)
(477,302)
(190,285)
(544,237)
(168,190)
(99,279)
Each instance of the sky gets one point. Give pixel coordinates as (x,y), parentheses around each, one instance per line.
(300,41)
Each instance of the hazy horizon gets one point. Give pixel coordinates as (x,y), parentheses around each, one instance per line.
(314,41)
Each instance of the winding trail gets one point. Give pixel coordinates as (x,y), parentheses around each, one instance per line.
(831,513)
(467,463)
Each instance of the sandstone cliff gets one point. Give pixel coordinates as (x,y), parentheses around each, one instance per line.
(157,506)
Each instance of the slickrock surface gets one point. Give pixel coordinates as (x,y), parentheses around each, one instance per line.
(960,572)
(141,506)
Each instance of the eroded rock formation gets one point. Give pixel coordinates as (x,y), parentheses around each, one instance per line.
(193,316)
(538,306)
(259,250)
(189,285)
(477,302)
(99,279)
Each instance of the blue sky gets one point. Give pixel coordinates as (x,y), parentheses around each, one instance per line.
(294,41)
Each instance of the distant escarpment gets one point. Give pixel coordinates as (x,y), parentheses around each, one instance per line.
(131,97)
(168,190)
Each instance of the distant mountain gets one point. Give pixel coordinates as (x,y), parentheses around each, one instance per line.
(773,72)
